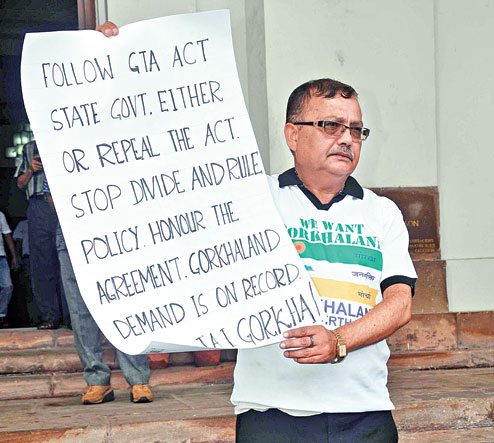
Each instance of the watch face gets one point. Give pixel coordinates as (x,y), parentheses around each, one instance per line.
(341,350)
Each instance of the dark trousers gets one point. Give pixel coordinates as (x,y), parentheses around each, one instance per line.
(33,311)
(273,426)
(45,269)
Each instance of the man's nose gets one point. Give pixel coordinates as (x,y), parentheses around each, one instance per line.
(345,137)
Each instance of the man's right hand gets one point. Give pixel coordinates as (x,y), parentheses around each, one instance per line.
(108,28)
(36,164)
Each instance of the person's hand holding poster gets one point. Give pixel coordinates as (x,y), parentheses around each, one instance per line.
(160,188)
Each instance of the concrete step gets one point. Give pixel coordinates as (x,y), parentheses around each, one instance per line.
(430,340)
(443,332)
(443,405)
(431,327)
(443,399)
(212,429)
(32,338)
(45,360)
(176,415)
(471,435)
(451,359)
(61,380)
(56,384)
(69,384)
(39,361)
(28,350)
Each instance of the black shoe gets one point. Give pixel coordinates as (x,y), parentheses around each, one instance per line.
(3,323)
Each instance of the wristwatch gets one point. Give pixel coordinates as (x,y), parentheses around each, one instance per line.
(340,347)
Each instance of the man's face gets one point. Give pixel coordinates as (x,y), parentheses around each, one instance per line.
(315,151)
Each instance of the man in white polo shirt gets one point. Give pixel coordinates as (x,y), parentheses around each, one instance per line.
(329,383)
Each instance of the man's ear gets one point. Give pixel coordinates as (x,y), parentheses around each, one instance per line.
(291,135)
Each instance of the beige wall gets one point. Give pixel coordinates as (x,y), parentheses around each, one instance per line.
(369,45)
(424,72)
(465,111)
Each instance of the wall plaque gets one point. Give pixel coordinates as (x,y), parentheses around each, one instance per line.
(420,208)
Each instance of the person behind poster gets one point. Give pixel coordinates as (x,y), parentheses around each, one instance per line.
(329,382)
(42,221)
(21,240)
(6,286)
(87,338)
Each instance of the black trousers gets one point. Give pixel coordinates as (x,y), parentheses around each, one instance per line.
(276,426)
(45,269)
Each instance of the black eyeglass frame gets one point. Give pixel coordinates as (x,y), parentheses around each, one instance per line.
(364,132)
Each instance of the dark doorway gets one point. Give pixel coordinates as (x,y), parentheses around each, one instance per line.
(18,17)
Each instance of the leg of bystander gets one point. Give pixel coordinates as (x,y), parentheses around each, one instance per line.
(6,289)
(87,337)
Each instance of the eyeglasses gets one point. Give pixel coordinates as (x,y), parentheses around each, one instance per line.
(338,129)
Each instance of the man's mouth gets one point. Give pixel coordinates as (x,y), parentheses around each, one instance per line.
(348,155)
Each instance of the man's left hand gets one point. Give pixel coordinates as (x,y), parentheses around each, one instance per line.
(311,344)
(14,263)
(109,29)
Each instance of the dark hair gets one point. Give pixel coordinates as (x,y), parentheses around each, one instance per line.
(323,87)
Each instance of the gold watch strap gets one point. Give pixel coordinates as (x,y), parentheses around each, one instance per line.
(340,347)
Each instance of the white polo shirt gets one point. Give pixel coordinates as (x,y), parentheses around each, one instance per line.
(4,229)
(353,248)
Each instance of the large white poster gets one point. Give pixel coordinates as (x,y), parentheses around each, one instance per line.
(159,186)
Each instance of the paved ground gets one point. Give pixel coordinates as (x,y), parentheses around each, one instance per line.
(435,406)
(119,420)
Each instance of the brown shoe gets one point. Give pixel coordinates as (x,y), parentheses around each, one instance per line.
(141,394)
(98,394)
